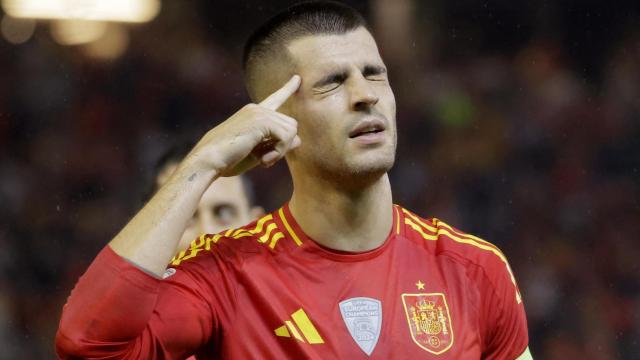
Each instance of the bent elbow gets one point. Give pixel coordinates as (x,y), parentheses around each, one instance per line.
(68,346)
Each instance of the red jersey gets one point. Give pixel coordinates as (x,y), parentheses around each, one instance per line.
(267,291)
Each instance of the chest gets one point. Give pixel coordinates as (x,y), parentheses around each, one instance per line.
(397,306)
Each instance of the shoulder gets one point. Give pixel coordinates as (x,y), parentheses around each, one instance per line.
(450,240)
(257,237)
(480,257)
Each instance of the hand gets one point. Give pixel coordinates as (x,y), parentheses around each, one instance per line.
(255,134)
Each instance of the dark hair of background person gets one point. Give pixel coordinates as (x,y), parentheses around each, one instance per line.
(174,155)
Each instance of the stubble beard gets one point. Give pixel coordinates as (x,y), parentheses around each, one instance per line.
(353,173)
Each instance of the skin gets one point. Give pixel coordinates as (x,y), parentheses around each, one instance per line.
(342,196)
(150,238)
(224,205)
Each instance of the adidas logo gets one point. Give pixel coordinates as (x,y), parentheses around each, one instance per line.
(301,320)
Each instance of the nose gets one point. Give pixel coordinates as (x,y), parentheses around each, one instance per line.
(362,94)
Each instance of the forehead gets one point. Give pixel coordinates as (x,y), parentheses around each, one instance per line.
(320,53)
(225,190)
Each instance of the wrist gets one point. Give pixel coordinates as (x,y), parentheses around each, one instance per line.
(197,167)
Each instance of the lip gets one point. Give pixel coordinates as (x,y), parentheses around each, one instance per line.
(367,127)
(372,138)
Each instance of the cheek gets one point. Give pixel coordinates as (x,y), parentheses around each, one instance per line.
(317,121)
(389,100)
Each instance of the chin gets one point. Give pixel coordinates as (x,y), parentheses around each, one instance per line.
(353,169)
(371,165)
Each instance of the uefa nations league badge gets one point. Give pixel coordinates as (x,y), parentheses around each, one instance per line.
(363,317)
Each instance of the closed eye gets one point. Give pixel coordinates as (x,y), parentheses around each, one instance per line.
(374,73)
(330,82)
(376,78)
(328,88)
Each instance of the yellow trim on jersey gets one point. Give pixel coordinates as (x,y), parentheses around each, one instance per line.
(461,239)
(288,227)
(237,232)
(203,242)
(213,239)
(482,244)
(259,228)
(260,224)
(414,217)
(264,238)
(419,230)
(277,236)
(440,222)
(196,246)
(395,208)
(178,257)
(240,233)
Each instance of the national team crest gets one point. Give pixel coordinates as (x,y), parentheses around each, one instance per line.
(429,321)
(363,317)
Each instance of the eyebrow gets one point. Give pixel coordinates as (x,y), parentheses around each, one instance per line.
(333,77)
(373,70)
(339,75)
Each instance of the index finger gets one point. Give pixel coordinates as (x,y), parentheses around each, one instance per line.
(275,100)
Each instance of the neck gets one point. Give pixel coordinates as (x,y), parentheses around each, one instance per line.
(347,220)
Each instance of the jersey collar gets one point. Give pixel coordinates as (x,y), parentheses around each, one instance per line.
(296,236)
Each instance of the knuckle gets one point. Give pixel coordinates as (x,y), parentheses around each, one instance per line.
(254,109)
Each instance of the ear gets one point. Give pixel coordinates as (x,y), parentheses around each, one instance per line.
(256,212)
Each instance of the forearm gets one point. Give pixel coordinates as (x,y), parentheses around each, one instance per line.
(115,308)
(150,238)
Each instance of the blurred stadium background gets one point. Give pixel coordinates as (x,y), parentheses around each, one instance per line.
(519,122)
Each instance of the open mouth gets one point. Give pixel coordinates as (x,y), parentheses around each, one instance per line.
(361,133)
(366,128)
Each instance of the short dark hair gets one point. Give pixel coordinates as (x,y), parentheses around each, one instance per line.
(302,19)
(174,155)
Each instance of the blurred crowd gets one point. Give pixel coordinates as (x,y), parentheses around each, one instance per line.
(518,144)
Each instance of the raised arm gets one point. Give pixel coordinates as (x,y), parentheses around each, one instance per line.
(120,308)
(149,240)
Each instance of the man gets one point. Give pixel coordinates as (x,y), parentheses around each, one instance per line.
(338,272)
(225,204)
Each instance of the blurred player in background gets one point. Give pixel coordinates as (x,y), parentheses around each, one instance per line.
(339,271)
(227,203)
